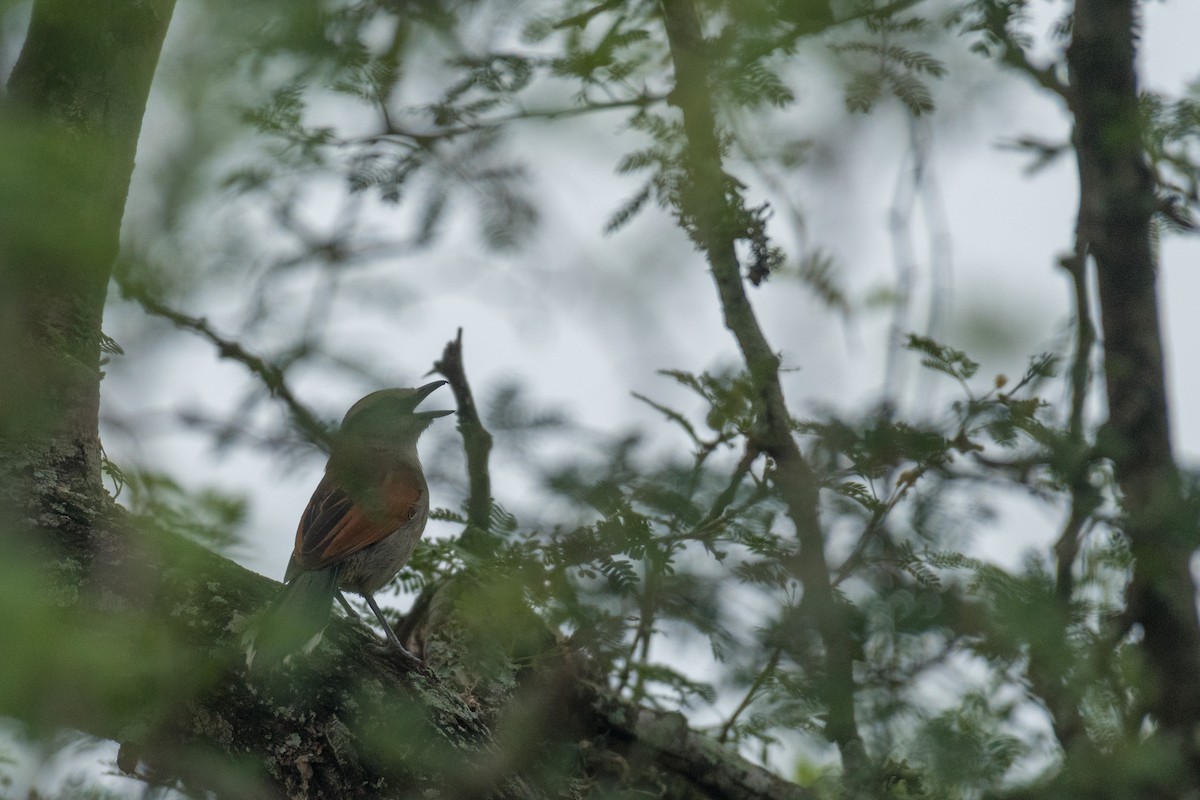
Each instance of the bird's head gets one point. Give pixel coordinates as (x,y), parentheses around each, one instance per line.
(391,414)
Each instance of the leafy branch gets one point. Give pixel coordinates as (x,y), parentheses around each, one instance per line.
(707,203)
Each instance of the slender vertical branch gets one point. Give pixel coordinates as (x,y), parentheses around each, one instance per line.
(1116,207)
(1084,497)
(1085,332)
(477,443)
(710,209)
(1073,462)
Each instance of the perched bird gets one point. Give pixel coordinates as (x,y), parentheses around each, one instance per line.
(360,527)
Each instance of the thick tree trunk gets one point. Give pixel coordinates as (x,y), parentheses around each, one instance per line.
(1117,204)
(70,129)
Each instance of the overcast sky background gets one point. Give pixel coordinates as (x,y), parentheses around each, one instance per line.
(583,319)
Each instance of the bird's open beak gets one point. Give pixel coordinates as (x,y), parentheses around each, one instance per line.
(424,392)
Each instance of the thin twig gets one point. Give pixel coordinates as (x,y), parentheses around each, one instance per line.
(429,137)
(1085,332)
(874,525)
(271,375)
(800,30)
(584,17)
(1084,497)
(767,671)
(1013,55)
(729,493)
(645,632)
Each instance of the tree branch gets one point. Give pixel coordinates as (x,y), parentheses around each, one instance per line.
(664,737)
(347,720)
(69,128)
(1116,205)
(425,138)
(477,443)
(710,208)
(271,375)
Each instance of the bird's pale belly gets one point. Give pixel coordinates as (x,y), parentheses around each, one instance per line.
(373,567)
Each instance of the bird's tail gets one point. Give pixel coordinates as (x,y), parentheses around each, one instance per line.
(295,620)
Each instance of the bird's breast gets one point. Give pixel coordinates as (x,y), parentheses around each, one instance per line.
(370,569)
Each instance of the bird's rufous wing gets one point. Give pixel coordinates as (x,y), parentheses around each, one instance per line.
(334,526)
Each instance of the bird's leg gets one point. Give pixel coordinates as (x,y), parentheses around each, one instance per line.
(346,604)
(386,628)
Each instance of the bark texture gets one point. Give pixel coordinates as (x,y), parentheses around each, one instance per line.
(1117,205)
(155,660)
(72,116)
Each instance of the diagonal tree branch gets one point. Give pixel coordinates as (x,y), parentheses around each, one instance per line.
(710,209)
(271,375)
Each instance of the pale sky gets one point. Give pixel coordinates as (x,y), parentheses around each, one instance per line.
(560,316)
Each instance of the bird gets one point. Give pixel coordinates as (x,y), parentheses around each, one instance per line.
(360,527)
